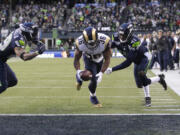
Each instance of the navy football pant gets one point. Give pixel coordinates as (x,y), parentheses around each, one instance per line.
(154,59)
(176,56)
(7,77)
(94,68)
(140,73)
(163,59)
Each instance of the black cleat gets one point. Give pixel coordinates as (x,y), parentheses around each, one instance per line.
(162,81)
(148,101)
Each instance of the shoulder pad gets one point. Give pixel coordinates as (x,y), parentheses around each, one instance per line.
(135,42)
(104,38)
(19,41)
(79,41)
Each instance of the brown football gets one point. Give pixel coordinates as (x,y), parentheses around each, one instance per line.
(86,75)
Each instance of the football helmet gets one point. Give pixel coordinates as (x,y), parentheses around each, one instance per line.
(125,32)
(90,37)
(29,30)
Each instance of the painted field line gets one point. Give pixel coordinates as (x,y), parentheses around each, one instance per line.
(165,99)
(66,87)
(67,97)
(163,110)
(156,106)
(164,102)
(63,97)
(64,115)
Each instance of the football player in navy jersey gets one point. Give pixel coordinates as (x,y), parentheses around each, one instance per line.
(14,45)
(96,51)
(134,52)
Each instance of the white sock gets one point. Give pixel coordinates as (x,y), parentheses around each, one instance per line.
(146,91)
(92,94)
(155,79)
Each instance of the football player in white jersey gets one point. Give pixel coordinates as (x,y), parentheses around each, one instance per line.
(96,52)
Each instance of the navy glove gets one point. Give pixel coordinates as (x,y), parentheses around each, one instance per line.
(41,47)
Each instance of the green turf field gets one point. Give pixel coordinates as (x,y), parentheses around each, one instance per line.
(47,86)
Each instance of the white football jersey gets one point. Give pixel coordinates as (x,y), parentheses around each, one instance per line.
(96,53)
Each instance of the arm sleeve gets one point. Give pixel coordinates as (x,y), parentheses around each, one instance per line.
(123,65)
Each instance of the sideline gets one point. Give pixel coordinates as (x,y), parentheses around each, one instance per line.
(172,78)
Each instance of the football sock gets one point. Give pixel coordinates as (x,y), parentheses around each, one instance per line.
(146,91)
(92,94)
(155,79)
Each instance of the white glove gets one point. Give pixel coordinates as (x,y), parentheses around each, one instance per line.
(78,74)
(108,71)
(99,75)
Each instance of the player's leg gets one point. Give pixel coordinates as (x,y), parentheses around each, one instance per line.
(160,60)
(165,59)
(11,77)
(139,84)
(140,74)
(152,61)
(95,68)
(3,77)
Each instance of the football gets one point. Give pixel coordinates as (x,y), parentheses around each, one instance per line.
(86,75)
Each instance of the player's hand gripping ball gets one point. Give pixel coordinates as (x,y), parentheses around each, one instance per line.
(86,75)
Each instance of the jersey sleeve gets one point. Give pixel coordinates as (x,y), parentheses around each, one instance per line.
(107,42)
(19,42)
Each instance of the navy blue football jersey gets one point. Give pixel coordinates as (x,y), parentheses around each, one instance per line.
(14,39)
(131,50)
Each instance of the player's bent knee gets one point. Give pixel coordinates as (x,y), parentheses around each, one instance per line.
(139,86)
(13,83)
(141,73)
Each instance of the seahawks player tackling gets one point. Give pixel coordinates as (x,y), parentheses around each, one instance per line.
(96,51)
(137,53)
(15,44)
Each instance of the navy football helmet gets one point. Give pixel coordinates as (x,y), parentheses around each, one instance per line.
(29,30)
(125,32)
(90,37)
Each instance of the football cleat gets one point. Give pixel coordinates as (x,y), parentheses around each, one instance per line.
(95,101)
(147,101)
(162,81)
(78,83)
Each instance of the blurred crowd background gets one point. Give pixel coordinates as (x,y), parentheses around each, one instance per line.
(156,22)
(104,15)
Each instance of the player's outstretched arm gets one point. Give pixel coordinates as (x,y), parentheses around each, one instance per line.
(20,52)
(121,66)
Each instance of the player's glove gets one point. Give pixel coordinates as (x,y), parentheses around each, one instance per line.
(108,71)
(99,77)
(78,76)
(41,47)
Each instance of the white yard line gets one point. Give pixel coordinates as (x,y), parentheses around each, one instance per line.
(170,106)
(64,115)
(169,102)
(66,87)
(63,97)
(175,110)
